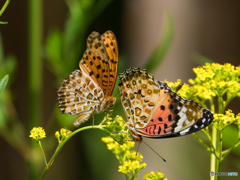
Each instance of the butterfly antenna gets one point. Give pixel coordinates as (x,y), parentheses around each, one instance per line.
(154,151)
(138,148)
(179,87)
(116,93)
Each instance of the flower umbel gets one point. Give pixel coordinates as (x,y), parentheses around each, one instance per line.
(223,120)
(154,176)
(117,127)
(129,160)
(64,133)
(221,82)
(37,134)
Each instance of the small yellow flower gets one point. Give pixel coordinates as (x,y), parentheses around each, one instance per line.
(65,132)
(57,135)
(129,166)
(37,134)
(223,120)
(154,176)
(218,79)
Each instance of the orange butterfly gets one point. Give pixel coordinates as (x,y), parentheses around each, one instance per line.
(89,89)
(155,111)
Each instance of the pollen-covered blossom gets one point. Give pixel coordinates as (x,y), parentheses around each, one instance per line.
(154,176)
(129,160)
(64,132)
(116,124)
(192,92)
(117,127)
(129,166)
(218,78)
(223,120)
(117,148)
(37,134)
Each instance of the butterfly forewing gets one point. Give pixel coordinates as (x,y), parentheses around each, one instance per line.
(110,43)
(95,60)
(100,60)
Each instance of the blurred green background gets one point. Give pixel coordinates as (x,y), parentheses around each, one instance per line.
(179,33)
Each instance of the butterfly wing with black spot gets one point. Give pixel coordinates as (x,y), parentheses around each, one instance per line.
(110,43)
(175,116)
(161,113)
(96,60)
(139,95)
(78,94)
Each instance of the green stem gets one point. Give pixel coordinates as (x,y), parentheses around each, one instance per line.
(101,127)
(4,6)
(213,150)
(235,144)
(202,143)
(217,144)
(3,9)
(44,157)
(34,76)
(35,62)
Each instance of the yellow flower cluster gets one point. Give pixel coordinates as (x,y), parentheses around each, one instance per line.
(116,124)
(174,85)
(64,132)
(218,78)
(37,134)
(129,160)
(117,148)
(154,176)
(211,80)
(118,128)
(223,120)
(129,166)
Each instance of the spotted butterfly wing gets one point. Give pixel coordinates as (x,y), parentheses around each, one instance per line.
(155,111)
(100,60)
(89,89)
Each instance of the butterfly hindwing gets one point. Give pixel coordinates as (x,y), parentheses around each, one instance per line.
(78,94)
(176,115)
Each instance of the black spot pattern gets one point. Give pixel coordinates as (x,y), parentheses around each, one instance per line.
(169,117)
(162,107)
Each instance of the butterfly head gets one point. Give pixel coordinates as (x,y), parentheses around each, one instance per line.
(111,101)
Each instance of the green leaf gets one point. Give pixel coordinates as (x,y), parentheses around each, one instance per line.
(1,22)
(54,50)
(163,46)
(3,82)
(201,60)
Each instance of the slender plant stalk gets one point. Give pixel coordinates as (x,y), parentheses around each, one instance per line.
(217,143)
(34,76)
(101,127)
(4,7)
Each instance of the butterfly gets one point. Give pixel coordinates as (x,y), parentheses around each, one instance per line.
(89,89)
(155,111)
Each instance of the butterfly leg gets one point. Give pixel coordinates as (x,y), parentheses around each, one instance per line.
(93,120)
